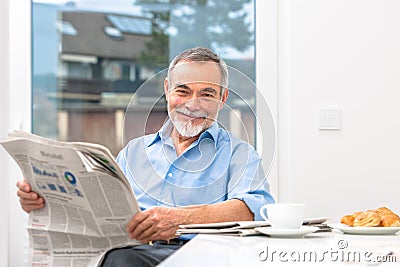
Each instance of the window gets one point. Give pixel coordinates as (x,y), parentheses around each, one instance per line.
(90,58)
(65,27)
(113,32)
(133,25)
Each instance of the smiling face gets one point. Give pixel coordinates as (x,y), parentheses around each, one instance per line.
(195,96)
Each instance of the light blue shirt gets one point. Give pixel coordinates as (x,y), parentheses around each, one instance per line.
(215,168)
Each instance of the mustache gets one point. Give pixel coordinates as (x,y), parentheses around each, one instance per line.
(187,112)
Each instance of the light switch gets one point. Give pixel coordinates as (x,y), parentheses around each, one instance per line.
(329,119)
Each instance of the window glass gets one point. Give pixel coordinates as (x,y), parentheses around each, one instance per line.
(90,57)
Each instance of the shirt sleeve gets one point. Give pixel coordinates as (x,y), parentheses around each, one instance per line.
(248,181)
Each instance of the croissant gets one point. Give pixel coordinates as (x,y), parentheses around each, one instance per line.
(348,220)
(383,211)
(367,219)
(382,216)
(390,221)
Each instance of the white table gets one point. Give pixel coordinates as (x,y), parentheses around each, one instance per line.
(318,249)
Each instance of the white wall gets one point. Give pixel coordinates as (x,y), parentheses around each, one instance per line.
(343,53)
(4,121)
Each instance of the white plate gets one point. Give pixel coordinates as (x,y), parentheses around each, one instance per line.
(365,230)
(287,233)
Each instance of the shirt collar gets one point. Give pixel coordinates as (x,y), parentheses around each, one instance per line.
(166,130)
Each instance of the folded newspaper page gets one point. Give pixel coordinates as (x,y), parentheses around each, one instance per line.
(88,200)
(240,228)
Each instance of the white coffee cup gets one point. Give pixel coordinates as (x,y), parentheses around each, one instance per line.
(284,215)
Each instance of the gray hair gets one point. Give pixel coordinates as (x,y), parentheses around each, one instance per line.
(201,54)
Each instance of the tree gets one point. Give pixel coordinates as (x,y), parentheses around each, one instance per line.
(180,24)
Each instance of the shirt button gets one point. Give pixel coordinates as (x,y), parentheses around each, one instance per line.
(169,174)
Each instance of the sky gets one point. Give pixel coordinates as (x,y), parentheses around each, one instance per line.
(114,5)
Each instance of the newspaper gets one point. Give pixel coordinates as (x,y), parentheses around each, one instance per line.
(242,228)
(237,228)
(88,200)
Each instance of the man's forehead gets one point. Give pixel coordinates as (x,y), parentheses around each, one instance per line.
(196,72)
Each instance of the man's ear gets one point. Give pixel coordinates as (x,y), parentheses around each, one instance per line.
(224,97)
(166,88)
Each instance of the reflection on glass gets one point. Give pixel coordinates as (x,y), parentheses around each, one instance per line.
(90,57)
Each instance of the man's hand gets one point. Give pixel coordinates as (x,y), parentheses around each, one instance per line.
(161,223)
(29,199)
(157,223)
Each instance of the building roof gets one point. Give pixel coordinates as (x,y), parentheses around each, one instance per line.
(126,38)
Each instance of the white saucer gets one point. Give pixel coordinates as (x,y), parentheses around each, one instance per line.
(287,233)
(365,230)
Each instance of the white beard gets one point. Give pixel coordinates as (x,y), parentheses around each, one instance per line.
(187,129)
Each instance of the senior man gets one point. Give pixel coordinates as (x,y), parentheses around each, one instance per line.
(190,171)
